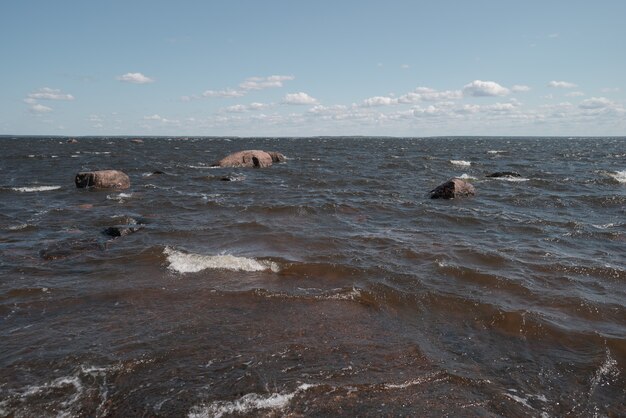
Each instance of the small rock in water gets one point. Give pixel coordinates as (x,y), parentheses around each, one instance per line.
(250,158)
(137,141)
(504,174)
(72,141)
(103,179)
(126,227)
(451,189)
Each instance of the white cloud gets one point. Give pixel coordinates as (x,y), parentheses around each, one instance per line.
(39,108)
(236,109)
(596,103)
(479,88)
(260,83)
(405,66)
(520,88)
(136,78)
(257,106)
(575,94)
(46,93)
(610,90)
(562,84)
(153,117)
(223,93)
(299,99)
(379,101)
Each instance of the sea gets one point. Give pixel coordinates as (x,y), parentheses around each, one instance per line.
(328,285)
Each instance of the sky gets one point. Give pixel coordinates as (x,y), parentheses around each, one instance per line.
(311,68)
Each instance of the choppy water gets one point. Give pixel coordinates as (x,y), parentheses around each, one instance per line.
(329,285)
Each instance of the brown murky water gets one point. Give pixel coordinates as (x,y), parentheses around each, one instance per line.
(329,285)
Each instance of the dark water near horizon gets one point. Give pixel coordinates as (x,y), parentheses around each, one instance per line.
(328,285)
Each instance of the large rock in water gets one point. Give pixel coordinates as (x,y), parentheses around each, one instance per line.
(103,179)
(451,189)
(251,158)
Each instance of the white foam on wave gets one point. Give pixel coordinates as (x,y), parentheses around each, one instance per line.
(495,152)
(419,381)
(119,197)
(29,189)
(466,176)
(192,263)
(512,179)
(247,404)
(607,371)
(620,176)
(461,163)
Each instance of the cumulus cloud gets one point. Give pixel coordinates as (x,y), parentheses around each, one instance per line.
(596,103)
(299,99)
(223,93)
(479,88)
(39,108)
(236,109)
(520,88)
(136,78)
(260,83)
(562,84)
(379,101)
(46,93)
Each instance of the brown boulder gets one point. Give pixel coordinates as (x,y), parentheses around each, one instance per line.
(103,179)
(250,158)
(451,189)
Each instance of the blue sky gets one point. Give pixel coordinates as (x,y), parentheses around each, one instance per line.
(306,68)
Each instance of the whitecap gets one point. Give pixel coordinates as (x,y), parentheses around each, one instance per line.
(119,197)
(466,176)
(495,152)
(191,263)
(512,179)
(461,163)
(247,404)
(18,227)
(28,189)
(620,176)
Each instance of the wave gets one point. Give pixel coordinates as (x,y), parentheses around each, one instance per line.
(247,404)
(461,163)
(466,176)
(181,262)
(512,179)
(495,152)
(620,176)
(29,189)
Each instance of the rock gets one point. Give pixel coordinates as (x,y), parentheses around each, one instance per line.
(232,178)
(250,158)
(103,179)
(137,141)
(451,189)
(72,141)
(277,157)
(126,226)
(504,174)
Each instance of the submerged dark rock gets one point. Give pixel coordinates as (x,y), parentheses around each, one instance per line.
(126,227)
(451,189)
(250,158)
(103,179)
(504,174)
